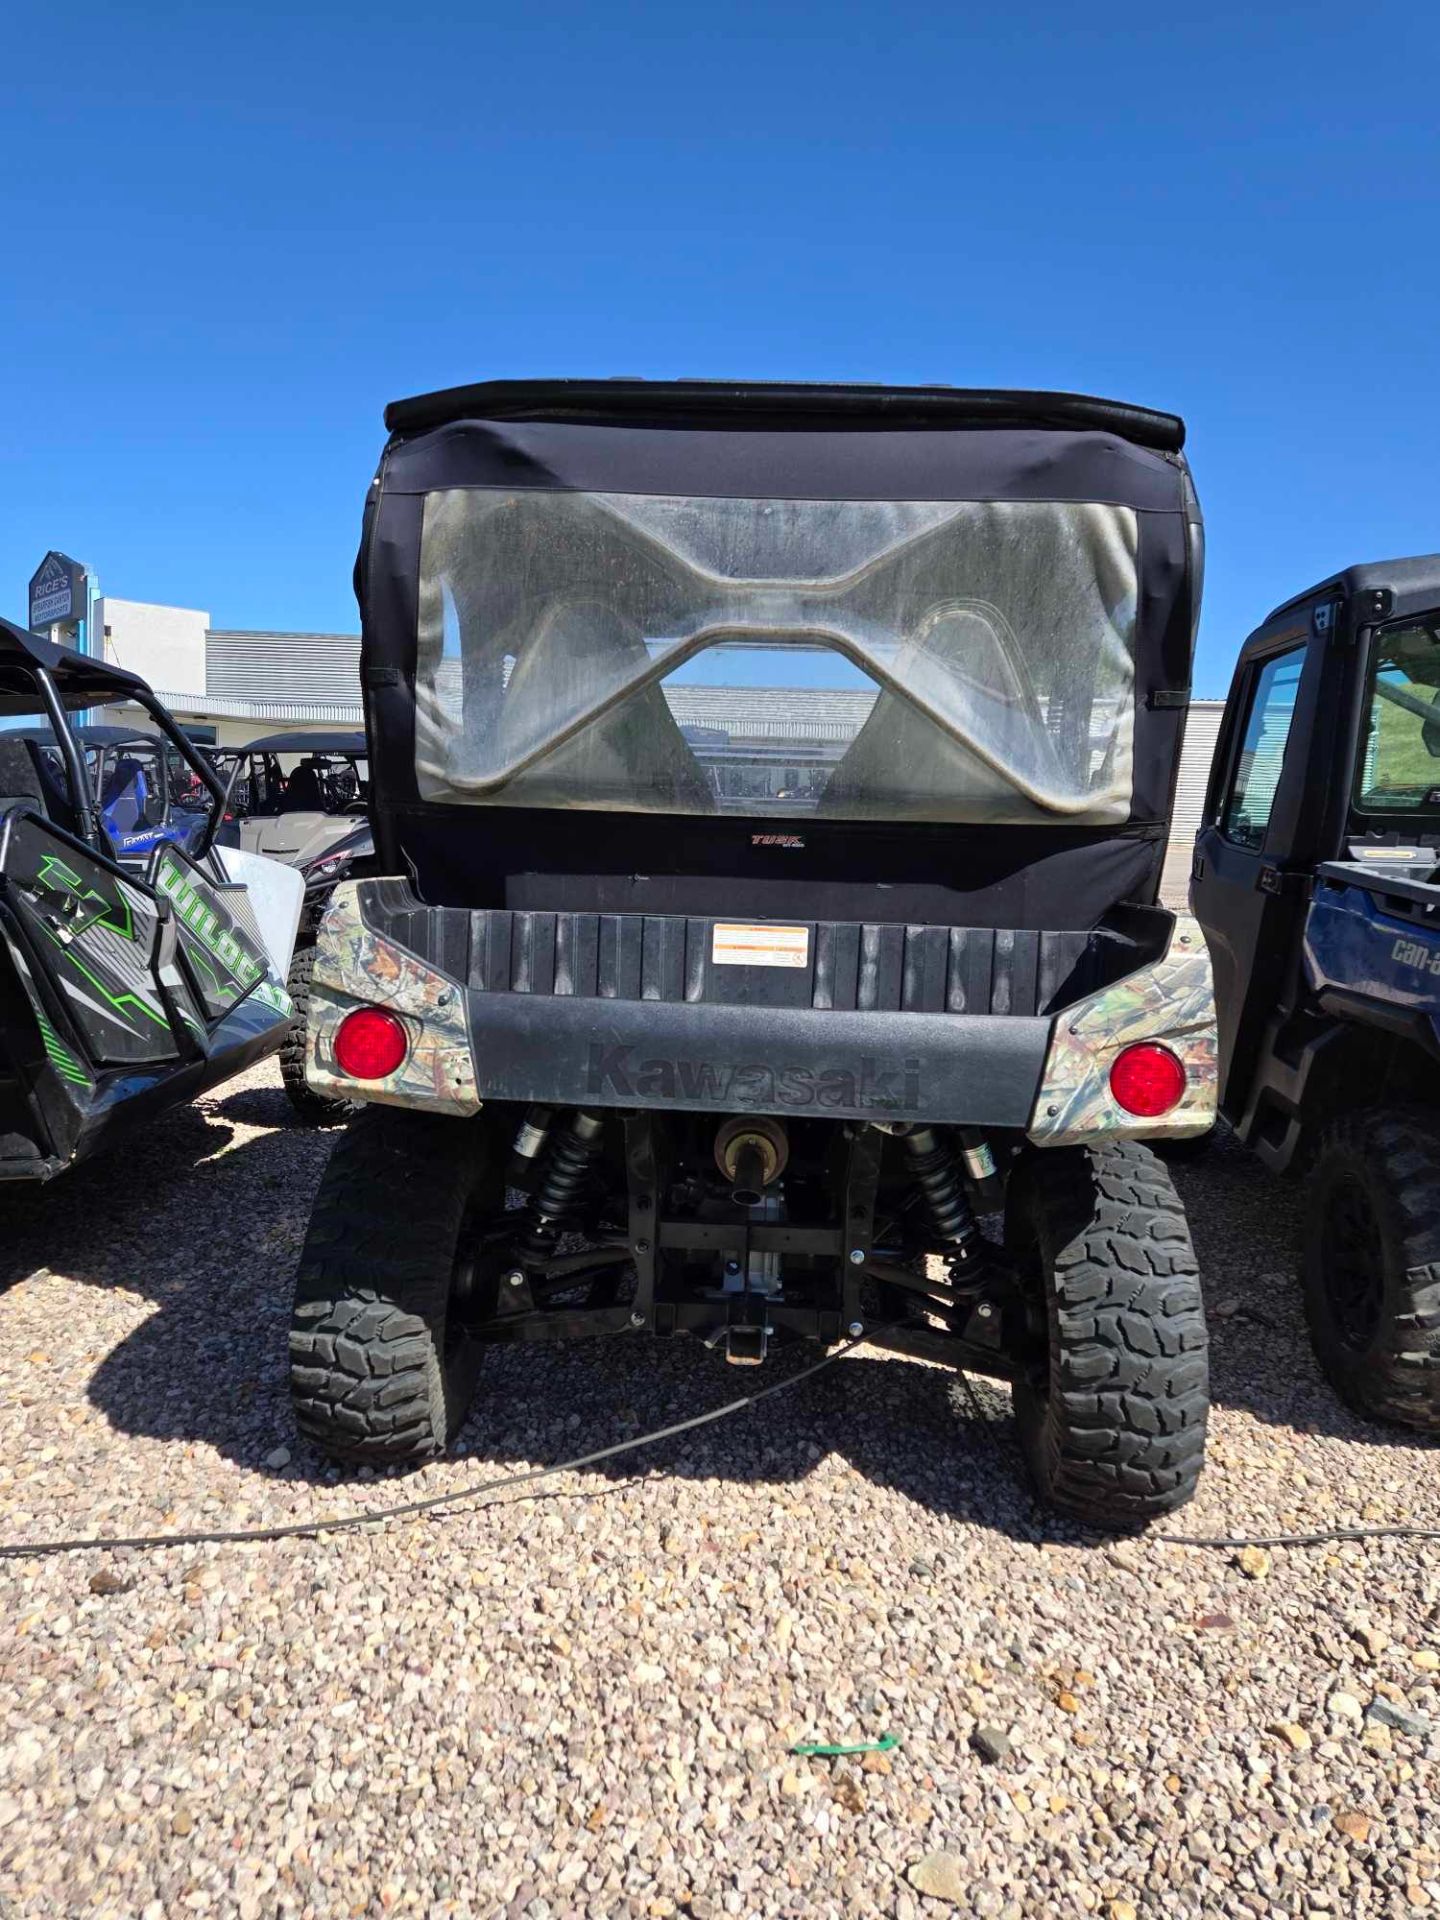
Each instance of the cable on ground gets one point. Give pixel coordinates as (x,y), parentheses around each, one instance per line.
(372,1516)
(1323,1538)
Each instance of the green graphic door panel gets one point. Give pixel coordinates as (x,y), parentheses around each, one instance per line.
(219,941)
(97,936)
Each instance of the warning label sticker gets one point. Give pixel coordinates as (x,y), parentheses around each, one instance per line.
(734,945)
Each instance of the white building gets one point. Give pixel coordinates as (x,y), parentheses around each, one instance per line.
(231,687)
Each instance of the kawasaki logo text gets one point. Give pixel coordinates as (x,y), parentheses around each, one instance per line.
(756,1084)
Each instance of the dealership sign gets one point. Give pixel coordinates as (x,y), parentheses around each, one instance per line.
(57,592)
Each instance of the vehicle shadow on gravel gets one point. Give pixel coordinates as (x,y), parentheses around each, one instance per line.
(213,1245)
(90,1221)
(213,1237)
(259,1107)
(909,1428)
(206,1225)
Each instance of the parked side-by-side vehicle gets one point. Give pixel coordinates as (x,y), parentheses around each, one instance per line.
(146,793)
(770,787)
(130,979)
(300,797)
(293,796)
(1317,881)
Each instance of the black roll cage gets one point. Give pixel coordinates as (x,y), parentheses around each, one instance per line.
(87,811)
(268,753)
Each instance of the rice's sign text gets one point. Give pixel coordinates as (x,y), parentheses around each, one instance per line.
(57,592)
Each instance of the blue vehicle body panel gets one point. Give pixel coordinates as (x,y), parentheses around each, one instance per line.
(1351,944)
(181,830)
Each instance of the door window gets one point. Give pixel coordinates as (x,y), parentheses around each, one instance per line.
(1251,794)
(1399,768)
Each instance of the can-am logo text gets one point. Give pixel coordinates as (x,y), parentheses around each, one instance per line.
(755,1084)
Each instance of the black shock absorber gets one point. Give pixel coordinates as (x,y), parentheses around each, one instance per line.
(937,1172)
(572,1151)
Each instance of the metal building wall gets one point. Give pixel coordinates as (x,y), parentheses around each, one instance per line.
(1201,731)
(313,669)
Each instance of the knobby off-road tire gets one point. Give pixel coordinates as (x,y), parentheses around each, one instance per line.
(382,1367)
(1371,1271)
(1112,1418)
(316,1107)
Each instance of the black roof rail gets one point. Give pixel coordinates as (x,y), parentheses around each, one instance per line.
(736,403)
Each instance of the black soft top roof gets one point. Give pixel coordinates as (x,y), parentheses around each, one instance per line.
(301,742)
(98,736)
(773,403)
(712,439)
(79,680)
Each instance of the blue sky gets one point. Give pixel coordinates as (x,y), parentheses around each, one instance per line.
(227,237)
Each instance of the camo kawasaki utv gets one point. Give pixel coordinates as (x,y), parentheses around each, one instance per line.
(774,784)
(126,987)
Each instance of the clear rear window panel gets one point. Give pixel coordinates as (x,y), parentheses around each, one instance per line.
(859,660)
(1397,768)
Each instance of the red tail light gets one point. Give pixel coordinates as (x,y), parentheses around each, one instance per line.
(1146,1080)
(370,1044)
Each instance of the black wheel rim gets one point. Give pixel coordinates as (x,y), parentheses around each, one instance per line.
(1351,1264)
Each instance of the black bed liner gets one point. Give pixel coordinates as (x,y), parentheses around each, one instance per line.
(666,959)
(768,402)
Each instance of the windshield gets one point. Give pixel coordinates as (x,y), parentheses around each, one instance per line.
(1399,768)
(930,660)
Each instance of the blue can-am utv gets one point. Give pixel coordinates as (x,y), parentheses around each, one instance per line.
(1317,881)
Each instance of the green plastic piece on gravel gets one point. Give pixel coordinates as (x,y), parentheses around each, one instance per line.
(820,1751)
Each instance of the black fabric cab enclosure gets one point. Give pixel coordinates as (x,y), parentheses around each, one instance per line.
(918,656)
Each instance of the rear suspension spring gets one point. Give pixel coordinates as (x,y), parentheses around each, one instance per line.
(573,1150)
(937,1173)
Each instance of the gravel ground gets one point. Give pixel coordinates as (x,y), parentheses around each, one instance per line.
(582,1704)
